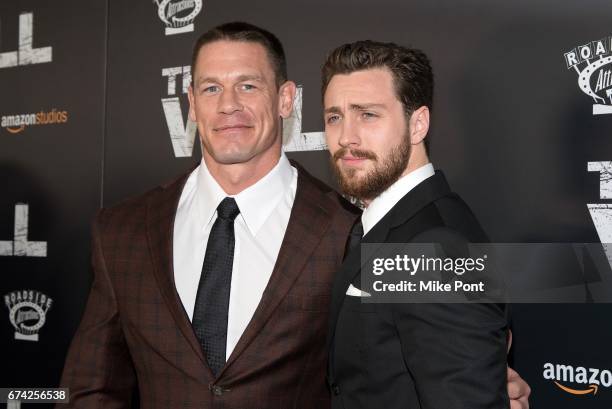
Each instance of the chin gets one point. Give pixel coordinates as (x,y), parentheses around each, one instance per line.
(232,158)
(353,173)
(228,154)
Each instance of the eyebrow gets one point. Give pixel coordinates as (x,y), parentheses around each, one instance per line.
(332,110)
(240,78)
(353,107)
(249,78)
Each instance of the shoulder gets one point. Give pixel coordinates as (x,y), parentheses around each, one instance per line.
(316,190)
(457,217)
(128,207)
(447,218)
(133,210)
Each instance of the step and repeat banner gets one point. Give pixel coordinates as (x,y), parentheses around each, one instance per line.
(93,110)
(52,99)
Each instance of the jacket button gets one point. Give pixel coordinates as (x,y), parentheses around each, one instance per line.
(335,389)
(216,390)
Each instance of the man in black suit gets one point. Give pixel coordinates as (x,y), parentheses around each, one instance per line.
(377,103)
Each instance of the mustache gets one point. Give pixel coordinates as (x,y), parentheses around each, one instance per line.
(356,153)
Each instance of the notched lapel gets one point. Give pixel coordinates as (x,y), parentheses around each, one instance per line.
(430,190)
(161,211)
(310,218)
(351,267)
(426,192)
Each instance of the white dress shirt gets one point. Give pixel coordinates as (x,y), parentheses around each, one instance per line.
(383,203)
(259,229)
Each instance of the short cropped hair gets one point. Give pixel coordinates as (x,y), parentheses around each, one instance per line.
(240,31)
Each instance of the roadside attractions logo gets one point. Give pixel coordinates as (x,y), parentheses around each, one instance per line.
(16,123)
(579,380)
(593,64)
(27,312)
(178,15)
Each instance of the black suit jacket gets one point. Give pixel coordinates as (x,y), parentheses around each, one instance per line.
(408,355)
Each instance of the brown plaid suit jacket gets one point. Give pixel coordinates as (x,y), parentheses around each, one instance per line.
(136,334)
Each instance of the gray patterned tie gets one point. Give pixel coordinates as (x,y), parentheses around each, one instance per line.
(212,301)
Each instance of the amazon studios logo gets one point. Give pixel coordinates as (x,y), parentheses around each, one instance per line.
(18,122)
(577,380)
(178,15)
(593,64)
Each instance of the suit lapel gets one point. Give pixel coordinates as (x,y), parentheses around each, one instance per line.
(351,266)
(161,211)
(431,189)
(309,220)
(424,193)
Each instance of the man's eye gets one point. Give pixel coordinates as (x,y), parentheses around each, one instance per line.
(332,119)
(247,87)
(210,89)
(368,115)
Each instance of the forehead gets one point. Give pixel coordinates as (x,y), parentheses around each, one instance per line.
(226,57)
(361,87)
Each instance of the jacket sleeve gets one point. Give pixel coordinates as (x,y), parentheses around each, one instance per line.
(456,353)
(98,370)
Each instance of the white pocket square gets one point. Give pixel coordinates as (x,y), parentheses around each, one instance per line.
(356,292)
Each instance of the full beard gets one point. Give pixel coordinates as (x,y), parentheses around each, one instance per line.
(386,171)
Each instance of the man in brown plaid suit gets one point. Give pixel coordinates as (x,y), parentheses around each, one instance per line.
(136,334)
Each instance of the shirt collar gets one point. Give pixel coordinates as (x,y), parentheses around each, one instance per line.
(383,203)
(256,202)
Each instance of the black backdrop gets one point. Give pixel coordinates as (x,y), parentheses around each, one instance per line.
(511,128)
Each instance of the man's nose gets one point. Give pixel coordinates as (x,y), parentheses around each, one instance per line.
(349,133)
(229,102)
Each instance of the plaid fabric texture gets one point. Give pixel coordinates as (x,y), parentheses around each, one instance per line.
(135,335)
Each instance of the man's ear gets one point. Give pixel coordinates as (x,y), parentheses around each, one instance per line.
(286,95)
(418,125)
(192,115)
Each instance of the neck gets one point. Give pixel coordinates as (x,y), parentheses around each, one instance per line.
(236,177)
(417,159)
